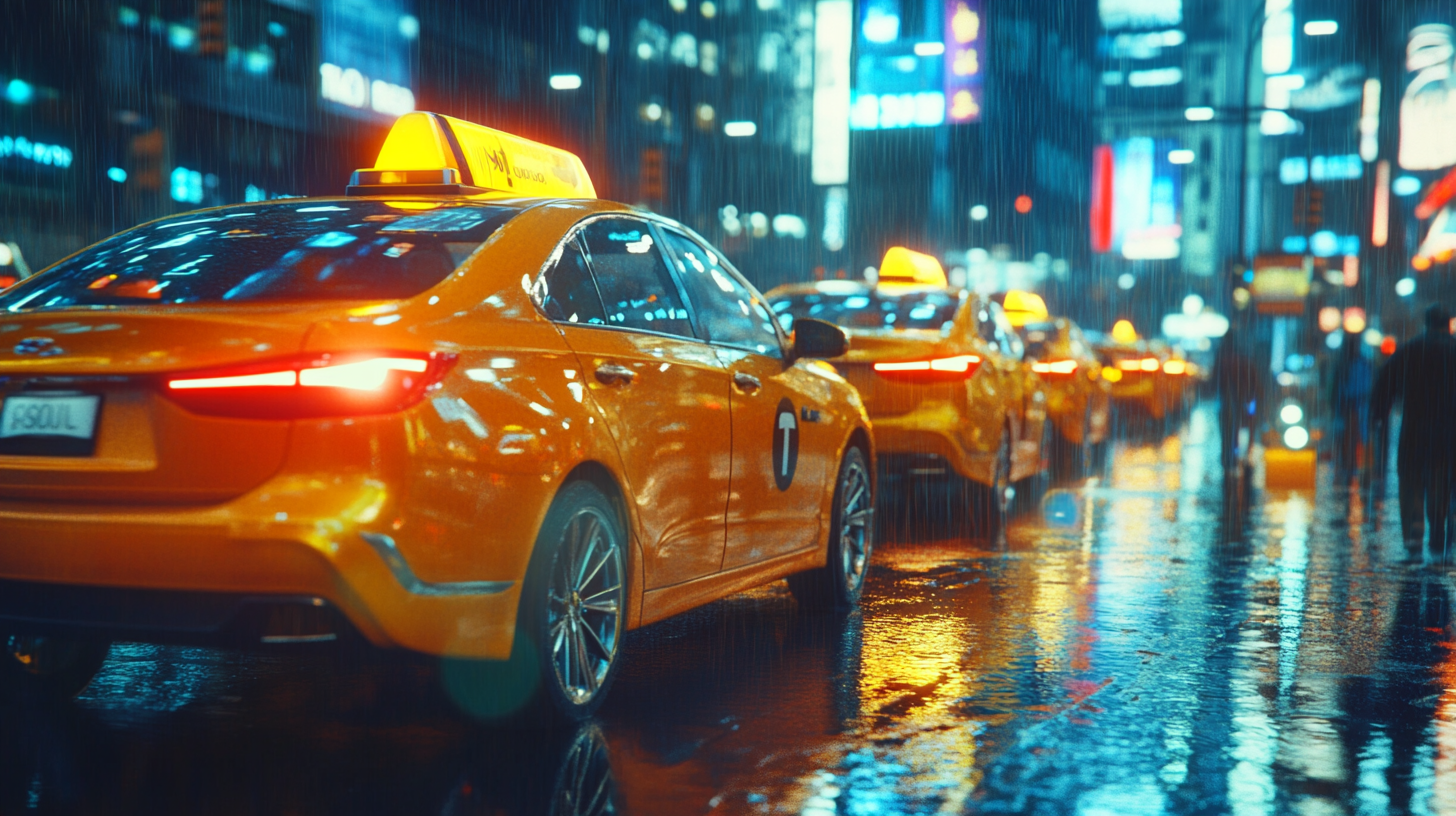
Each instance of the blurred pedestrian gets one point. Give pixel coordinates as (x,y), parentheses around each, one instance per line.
(1350,384)
(1239,381)
(1421,375)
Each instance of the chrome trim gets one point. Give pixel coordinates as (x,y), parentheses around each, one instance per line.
(390,554)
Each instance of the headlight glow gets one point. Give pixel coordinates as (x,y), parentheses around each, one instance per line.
(1295,437)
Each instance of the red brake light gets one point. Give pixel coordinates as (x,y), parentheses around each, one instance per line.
(937,369)
(316,385)
(1053,367)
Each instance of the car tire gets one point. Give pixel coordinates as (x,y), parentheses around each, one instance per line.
(569,626)
(837,586)
(991,504)
(1036,485)
(35,666)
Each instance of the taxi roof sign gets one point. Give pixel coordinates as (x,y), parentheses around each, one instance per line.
(433,154)
(906,266)
(1124,333)
(1024,307)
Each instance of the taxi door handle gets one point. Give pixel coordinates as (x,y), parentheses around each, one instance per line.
(613,374)
(746,382)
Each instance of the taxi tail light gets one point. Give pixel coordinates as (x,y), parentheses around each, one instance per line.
(316,385)
(1144,364)
(1055,368)
(935,369)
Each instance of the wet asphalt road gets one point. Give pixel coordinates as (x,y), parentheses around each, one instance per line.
(1128,651)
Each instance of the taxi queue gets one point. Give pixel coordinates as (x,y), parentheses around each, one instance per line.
(472,411)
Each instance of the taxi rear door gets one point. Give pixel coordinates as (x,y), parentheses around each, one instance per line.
(664,391)
(782,443)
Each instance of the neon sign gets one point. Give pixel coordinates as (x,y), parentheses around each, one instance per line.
(39,152)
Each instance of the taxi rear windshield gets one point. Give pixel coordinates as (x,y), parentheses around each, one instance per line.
(870,309)
(304,251)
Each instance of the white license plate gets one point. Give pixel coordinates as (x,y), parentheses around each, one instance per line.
(68,415)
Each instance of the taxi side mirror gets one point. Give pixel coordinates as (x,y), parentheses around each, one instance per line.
(818,338)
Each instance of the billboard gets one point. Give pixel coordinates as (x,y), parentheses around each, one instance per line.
(1428,106)
(364,57)
(1136,192)
(920,63)
(1281,283)
(833,24)
(1117,14)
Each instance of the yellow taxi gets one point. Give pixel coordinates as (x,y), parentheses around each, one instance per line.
(467,410)
(1146,375)
(941,372)
(1078,395)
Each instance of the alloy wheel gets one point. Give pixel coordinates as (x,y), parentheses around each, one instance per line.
(584,605)
(856,514)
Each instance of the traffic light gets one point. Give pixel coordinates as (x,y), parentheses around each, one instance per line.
(212,28)
(650,187)
(147,151)
(1309,206)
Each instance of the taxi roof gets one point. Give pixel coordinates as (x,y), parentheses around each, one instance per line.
(902,266)
(433,154)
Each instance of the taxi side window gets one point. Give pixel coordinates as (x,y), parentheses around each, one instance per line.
(1006,336)
(637,290)
(986,326)
(729,313)
(566,291)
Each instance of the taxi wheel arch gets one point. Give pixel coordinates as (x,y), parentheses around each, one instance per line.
(526,688)
(601,477)
(837,586)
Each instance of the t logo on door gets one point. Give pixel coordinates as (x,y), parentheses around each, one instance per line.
(785,445)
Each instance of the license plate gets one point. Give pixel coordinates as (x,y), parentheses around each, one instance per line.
(49,424)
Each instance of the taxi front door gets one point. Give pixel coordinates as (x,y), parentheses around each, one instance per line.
(781,442)
(664,393)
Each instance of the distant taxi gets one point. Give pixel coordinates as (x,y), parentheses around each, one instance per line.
(1078,395)
(467,410)
(942,374)
(1146,375)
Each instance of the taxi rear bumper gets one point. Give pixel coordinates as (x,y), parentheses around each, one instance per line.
(933,432)
(211,574)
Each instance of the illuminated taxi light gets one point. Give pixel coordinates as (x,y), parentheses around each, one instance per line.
(1123,332)
(1175,367)
(936,369)
(1291,414)
(961,363)
(1149,364)
(366,375)
(271,378)
(1057,367)
(906,266)
(1295,437)
(1111,374)
(465,158)
(1024,307)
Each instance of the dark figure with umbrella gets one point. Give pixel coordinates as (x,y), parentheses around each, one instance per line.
(1421,375)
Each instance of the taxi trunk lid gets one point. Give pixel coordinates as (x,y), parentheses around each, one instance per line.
(144,448)
(886,397)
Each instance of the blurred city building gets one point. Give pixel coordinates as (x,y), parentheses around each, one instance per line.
(1120,156)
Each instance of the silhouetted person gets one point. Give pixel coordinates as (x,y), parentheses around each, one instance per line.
(1350,384)
(1240,384)
(1421,374)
